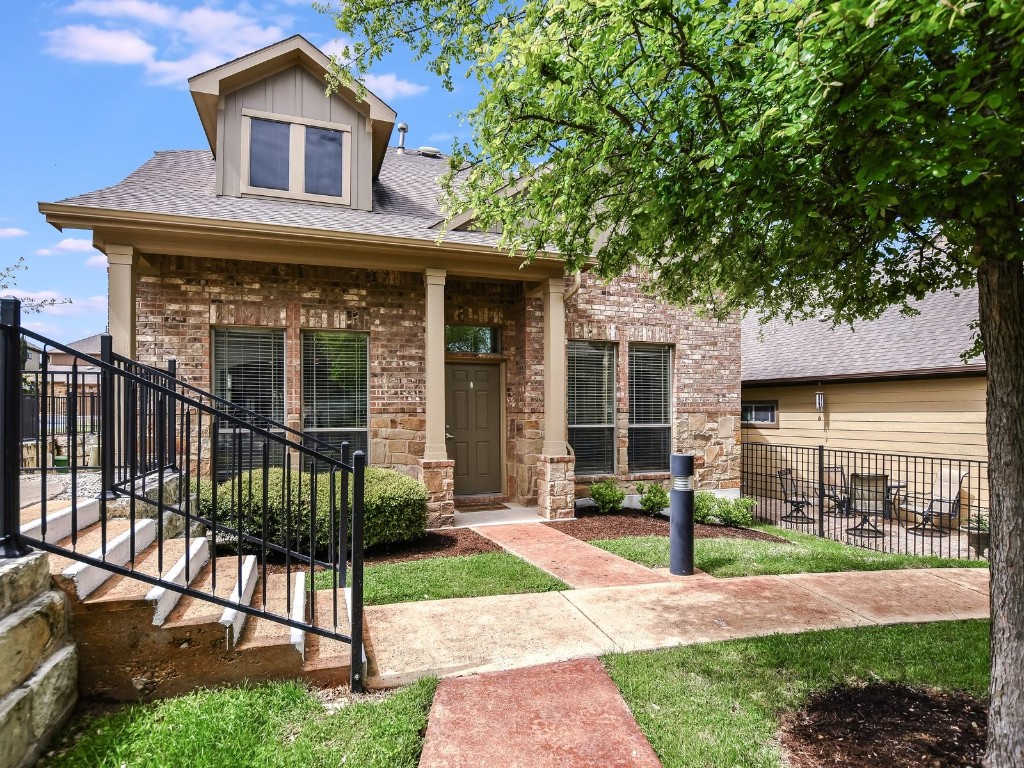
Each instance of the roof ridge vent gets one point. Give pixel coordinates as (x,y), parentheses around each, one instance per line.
(429,151)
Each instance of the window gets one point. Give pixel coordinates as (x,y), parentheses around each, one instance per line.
(592,406)
(471,338)
(334,387)
(760,414)
(650,396)
(296,157)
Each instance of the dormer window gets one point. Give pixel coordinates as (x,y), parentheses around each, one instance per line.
(296,157)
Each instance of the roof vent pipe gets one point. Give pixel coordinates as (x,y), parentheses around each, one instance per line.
(402,128)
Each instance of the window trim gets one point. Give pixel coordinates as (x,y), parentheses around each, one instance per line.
(297,157)
(669,404)
(613,398)
(773,404)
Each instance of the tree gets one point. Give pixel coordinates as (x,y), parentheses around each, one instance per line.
(799,157)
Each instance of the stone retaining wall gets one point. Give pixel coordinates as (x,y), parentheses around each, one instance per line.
(39,678)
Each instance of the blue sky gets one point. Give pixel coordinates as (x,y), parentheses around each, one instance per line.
(97,86)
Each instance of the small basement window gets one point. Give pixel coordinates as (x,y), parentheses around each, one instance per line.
(296,157)
(760,414)
(472,338)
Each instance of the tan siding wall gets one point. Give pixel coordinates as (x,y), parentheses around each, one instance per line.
(294,92)
(935,417)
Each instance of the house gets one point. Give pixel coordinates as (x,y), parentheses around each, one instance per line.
(297,267)
(891,385)
(32,358)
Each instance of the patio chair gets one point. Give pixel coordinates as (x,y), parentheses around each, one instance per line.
(868,498)
(792,496)
(939,512)
(836,490)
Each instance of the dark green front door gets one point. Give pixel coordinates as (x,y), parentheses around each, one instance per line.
(473,410)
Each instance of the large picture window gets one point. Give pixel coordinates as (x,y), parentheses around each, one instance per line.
(650,408)
(592,406)
(334,387)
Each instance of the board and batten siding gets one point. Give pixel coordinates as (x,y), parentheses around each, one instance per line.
(933,417)
(293,92)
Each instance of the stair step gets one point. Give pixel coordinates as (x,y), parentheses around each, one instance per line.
(233,620)
(327,662)
(164,599)
(58,519)
(89,539)
(87,577)
(260,632)
(193,610)
(119,587)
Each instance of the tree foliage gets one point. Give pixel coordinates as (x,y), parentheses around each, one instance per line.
(797,156)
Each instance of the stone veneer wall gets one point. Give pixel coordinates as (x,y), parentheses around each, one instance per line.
(706,373)
(38,663)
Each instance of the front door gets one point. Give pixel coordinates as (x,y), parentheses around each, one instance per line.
(473,425)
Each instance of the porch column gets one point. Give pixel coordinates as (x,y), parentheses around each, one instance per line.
(555,382)
(435,449)
(121,298)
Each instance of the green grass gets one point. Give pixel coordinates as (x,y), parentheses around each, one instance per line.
(437,578)
(718,705)
(276,724)
(745,557)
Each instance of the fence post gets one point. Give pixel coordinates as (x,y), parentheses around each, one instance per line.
(358,477)
(11,544)
(107,421)
(172,446)
(821,491)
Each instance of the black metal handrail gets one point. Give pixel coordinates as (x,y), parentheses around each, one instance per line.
(178,463)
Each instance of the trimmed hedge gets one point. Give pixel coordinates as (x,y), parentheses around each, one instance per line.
(608,496)
(708,508)
(395,506)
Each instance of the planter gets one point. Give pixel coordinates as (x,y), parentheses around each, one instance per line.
(978,541)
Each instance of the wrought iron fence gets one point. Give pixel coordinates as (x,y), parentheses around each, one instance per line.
(215,494)
(920,505)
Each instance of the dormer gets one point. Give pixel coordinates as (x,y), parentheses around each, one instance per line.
(275,133)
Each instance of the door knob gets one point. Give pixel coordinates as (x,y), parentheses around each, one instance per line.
(449,436)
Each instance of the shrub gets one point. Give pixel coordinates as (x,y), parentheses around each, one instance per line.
(607,495)
(708,508)
(395,506)
(653,497)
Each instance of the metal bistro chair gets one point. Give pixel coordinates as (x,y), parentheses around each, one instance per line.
(941,512)
(792,496)
(836,490)
(868,498)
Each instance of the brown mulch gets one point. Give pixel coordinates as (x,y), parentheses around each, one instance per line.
(451,542)
(592,525)
(884,724)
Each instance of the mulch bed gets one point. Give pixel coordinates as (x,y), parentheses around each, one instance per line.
(592,525)
(884,724)
(450,542)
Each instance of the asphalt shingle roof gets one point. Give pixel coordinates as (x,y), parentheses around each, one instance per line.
(809,349)
(181,183)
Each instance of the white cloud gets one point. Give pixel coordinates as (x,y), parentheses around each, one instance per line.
(441,138)
(11,232)
(67,245)
(88,306)
(97,262)
(390,86)
(153,13)
(89,43)
(44,329)
(336,47)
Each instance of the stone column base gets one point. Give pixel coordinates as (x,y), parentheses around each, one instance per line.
(556,486)
(439,477)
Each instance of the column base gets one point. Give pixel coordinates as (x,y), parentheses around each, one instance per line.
(439,477)
(556,486)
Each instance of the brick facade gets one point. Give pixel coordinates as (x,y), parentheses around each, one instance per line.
(180,301)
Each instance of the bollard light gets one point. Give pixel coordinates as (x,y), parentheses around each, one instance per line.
(681,515)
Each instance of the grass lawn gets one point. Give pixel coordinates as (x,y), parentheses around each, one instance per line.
(718,705)
(275,724)
(437,578)
(745,557)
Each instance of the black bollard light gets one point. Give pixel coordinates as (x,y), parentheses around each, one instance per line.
(680,515)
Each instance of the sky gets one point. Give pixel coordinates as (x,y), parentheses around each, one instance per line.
(94,87)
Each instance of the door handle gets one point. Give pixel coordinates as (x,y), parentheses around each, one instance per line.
(449,436)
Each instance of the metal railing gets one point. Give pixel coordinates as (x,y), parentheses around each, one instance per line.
(918,505)
(182,478)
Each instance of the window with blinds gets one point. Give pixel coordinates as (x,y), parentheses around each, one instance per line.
(248,369)
(335,387)
(650,411)
(592,406)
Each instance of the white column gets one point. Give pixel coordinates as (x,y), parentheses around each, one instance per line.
(435,448)
(121,298)
(555,381)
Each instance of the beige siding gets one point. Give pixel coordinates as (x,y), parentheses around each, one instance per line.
(293,92)
(935,417)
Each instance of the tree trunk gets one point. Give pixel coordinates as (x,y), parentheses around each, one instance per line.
(1001,305)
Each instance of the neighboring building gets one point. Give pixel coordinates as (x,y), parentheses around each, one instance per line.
(296,270)
(895,384)
(33,358)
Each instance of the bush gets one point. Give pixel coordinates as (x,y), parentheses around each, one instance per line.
(711,509)
(395,507)
(653,497)
(607,495)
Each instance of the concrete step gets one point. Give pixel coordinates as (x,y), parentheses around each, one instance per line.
(120,588)
(327,662)
(260,632)
(182,573)
(231,619)
(81,579)
(59,517)
(192,611)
